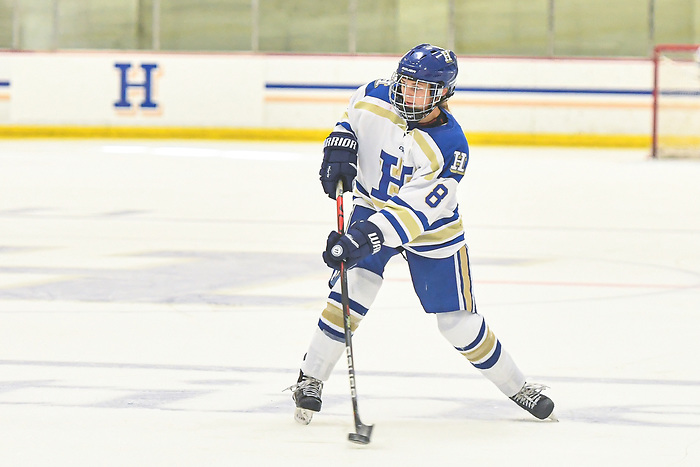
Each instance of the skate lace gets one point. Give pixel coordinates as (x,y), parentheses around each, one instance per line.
(309,387)
(529,395)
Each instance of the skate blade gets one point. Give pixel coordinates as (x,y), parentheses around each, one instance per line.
(303,416)
(552,417)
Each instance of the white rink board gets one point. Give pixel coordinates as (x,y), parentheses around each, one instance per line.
(156,298)
(159,90)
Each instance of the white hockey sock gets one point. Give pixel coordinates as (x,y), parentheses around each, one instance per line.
(328,341)
(471,336)
(322,356)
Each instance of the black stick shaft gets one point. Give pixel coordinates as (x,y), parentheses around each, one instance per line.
(363,431)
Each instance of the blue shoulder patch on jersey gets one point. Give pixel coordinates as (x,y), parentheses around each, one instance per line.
(452,142)
(378,89)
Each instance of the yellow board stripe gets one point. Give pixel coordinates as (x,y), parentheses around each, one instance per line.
(675,140)
(557,139)
(309,135)
(248,134)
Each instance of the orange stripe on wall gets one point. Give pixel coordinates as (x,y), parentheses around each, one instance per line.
(520,103)
(478,103)
(308,99)
(501,103)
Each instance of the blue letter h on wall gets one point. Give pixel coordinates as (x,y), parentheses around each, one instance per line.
(146,85)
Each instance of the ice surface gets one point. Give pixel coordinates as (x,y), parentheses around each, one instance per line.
(156,298)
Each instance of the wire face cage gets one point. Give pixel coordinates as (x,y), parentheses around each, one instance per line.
(414,99)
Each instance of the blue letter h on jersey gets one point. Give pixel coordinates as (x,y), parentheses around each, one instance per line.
(391,164)
(146,85)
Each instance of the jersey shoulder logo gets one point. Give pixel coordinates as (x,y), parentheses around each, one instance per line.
(382,82)
(459,164)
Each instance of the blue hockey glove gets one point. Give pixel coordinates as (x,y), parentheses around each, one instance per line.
(363,239)
(339,162)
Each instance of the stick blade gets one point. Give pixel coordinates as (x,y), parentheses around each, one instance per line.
(362,435)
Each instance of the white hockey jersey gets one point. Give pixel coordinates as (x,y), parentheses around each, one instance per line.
(407,173)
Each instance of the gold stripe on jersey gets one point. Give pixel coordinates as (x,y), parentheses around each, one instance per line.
(336,317)
(367,201)
(430,154)
(405,215)
(483,349)
(442,235)
(382,112)
(466,278)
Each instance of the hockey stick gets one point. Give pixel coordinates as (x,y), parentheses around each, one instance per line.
(362,432)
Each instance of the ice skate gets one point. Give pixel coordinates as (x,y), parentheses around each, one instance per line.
(306,394)
(530,398)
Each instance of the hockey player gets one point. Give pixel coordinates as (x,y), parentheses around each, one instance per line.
(402,153)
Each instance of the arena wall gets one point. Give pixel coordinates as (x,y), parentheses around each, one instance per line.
(574,102)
